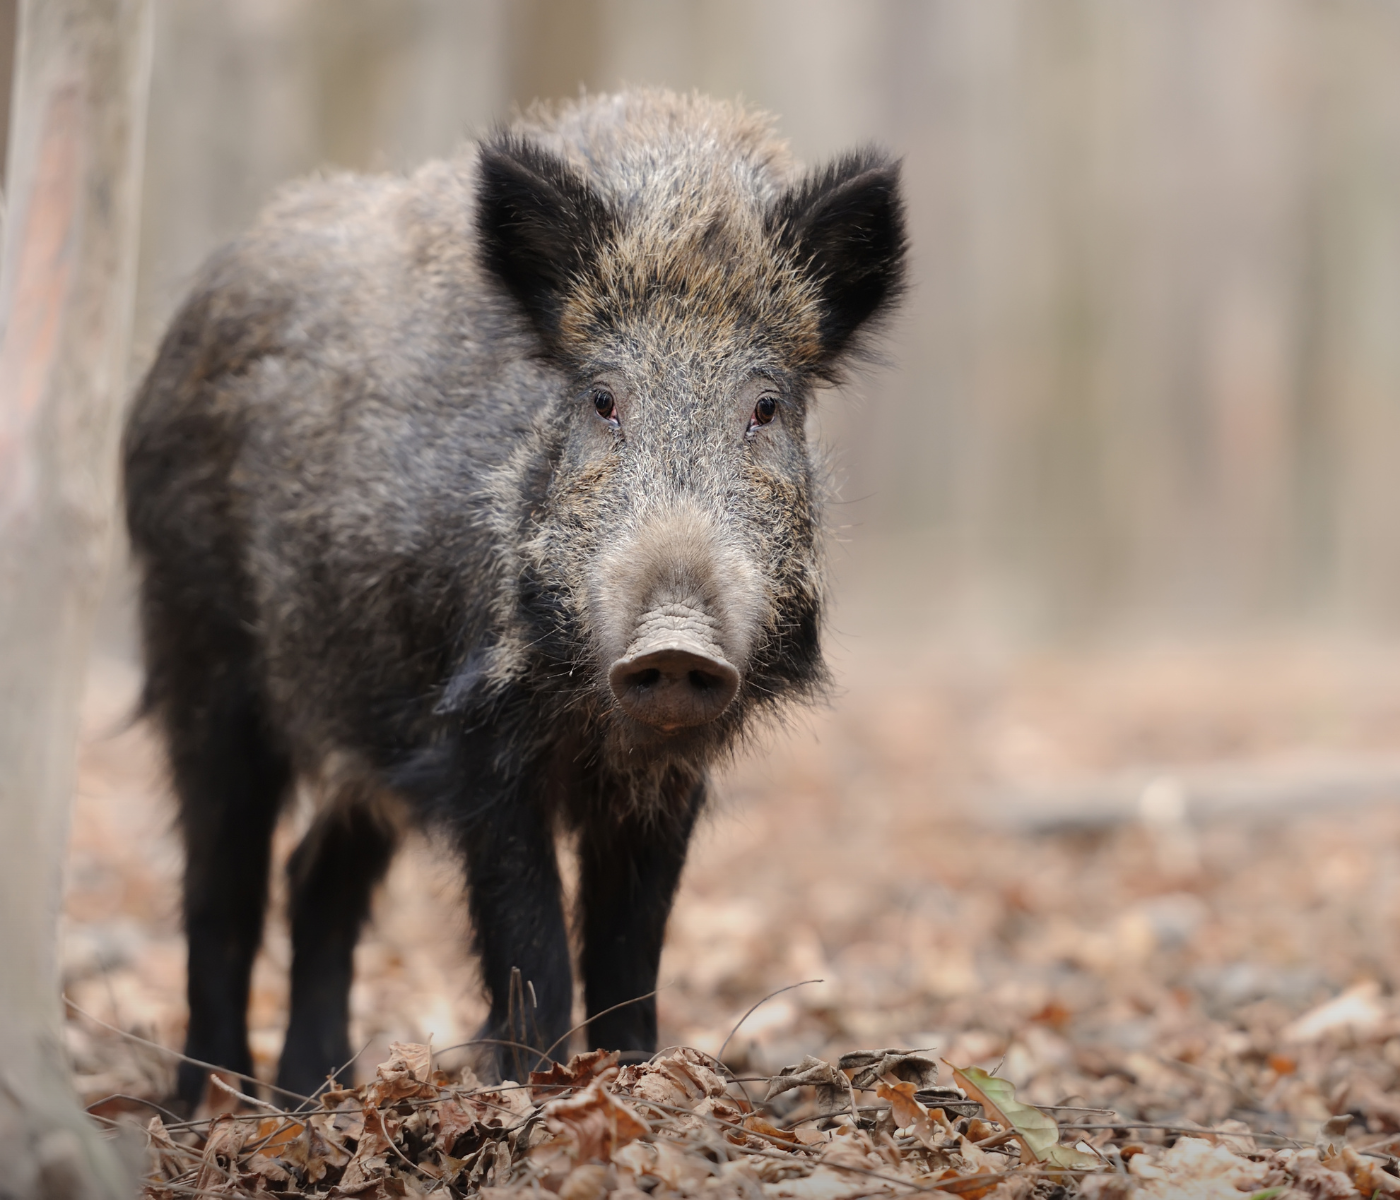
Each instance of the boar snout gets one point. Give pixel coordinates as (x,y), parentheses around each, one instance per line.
(677,608)
(673,676)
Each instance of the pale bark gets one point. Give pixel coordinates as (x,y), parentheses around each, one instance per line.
(74,155)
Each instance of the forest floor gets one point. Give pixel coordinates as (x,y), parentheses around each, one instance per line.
(1158,886)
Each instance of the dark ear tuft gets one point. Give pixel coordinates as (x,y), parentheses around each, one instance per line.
(539,223)
(845,224)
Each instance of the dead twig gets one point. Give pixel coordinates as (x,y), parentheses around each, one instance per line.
(182,1057)
(334,1075)
(564,1038)
(252,1101)
(941,1185)
(1222,1081)
(725,1044)
(1193,1129)
(710,1118)
(164,1112)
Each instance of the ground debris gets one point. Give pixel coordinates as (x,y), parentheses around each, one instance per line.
(1187,975)
(681,1124)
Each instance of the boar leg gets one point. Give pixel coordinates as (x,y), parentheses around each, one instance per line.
(518,919)
(332,875)
(630,868)
(230,780)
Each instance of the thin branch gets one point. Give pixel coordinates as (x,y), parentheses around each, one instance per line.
(751,1011)
(183,1057)
(710,1118)
(243,1097)
(718,1063)
(334,1075)
(485,1041)
(941,1186)
(164,1112)
(1196,1129)
(594,1016)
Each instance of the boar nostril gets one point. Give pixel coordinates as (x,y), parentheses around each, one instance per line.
(673,687)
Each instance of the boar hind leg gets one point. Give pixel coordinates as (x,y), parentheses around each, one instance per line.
(230,779)
(331,877)
(630,868)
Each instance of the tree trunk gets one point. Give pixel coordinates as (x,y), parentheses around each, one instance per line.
(74,158)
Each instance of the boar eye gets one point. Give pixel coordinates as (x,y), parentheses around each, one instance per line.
(763,412)
(604,405)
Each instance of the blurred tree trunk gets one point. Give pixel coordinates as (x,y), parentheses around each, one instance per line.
(74,153)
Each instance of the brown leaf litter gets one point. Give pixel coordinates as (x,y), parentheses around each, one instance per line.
(682,1125)
(1208,1001)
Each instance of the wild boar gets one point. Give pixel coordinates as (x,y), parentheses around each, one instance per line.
(485,497)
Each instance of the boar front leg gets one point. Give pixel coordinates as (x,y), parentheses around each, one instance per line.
(518,920)
(630,868)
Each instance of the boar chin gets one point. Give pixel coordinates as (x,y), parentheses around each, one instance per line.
(632,745)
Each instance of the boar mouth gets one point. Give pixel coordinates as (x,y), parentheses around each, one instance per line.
(673,676)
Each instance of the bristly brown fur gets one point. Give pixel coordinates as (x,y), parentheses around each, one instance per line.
(381,522)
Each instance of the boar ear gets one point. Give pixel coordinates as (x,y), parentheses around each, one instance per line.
(539,226)
(845,225)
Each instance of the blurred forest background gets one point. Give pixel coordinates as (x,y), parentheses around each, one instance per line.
(1149,373)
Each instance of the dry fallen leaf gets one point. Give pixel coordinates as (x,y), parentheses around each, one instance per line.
(681,1078)
(221,1148)
(824,1183)
(276,1151)
(1365,1173)
(1038,1132)
(403,1076)
(595,1143)
(810,1072)
(866,1067)
(929,1126)
(756,1124)
(1193,1169)
(594,1123)
(587,1181)
(1357,1011)
(580,1070)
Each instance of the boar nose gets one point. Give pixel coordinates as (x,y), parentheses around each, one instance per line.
(673,686)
